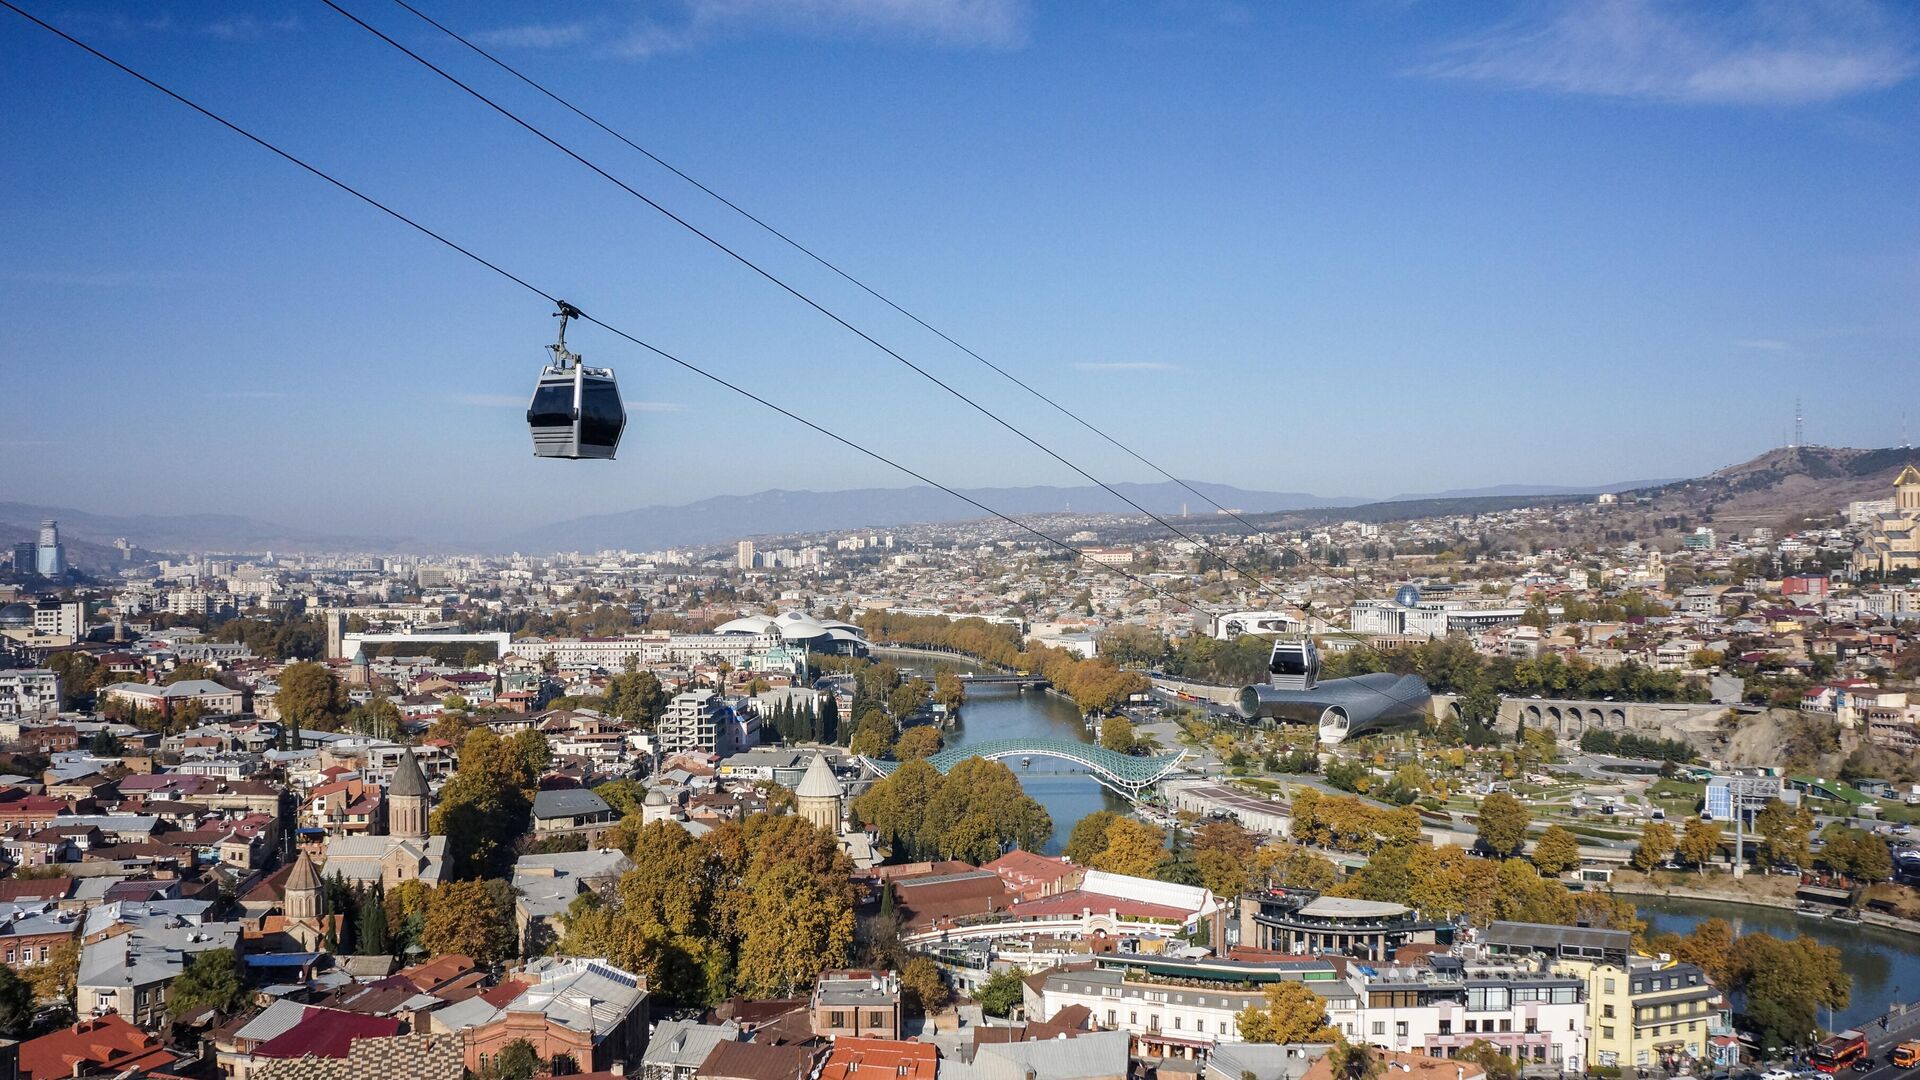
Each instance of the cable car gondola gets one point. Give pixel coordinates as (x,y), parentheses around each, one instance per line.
(576,410)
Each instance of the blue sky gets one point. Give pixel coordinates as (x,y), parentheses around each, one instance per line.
(1353,249)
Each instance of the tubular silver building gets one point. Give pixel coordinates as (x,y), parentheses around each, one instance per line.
(1341,707)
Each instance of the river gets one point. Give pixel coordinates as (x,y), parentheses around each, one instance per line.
(1068,793)
(1885,964)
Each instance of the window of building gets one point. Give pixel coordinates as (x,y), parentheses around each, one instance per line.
(1606,1032)
(1446,1027)
(1606,1011)
(1177,1023)
(1379,1027)
(1506,1024)
(1400,1029)
(836,1019)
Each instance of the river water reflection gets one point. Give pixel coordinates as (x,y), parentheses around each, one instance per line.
(1885,964)
(1068,793)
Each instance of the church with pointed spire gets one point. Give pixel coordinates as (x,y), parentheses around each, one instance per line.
(408,852)
(407,799)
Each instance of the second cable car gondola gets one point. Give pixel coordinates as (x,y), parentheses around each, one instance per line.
(576,410)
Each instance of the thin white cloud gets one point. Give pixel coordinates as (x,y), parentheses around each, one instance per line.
(534,36)
(1764,345)
(1756,52)
(683,25)
(248,27)
(1127,365)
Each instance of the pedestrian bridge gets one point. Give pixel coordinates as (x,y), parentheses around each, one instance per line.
(1122,774)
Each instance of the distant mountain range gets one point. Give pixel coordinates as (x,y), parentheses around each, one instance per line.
(1804,479)
(177,532)
(726,517)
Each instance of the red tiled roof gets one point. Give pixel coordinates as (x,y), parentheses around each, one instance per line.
(888,1057)
(329,1036)
(108,1044)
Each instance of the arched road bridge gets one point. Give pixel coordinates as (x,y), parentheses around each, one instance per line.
(1122,774)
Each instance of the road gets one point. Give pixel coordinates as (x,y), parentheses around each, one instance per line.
(1899,1028)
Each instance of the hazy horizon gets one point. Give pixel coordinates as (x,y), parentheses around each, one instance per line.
(1355,251)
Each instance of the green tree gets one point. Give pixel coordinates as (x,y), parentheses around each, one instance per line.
(1785,983)
(518,1060)
(1503,823)
(873,734)
(1292,1013)
(1116,734)
(104,743)
(1001,993)
(1657,844)
(1556,851)
(473,918)
(370,927)
(212,979)
(16,1005)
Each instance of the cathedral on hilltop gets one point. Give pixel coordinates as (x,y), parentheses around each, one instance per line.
(1892,541)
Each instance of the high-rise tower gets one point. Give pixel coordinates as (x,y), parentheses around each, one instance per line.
(50,558)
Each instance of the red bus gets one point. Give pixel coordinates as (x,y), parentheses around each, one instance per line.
(1836,1052)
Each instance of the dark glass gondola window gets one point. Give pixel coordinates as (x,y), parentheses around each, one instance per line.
(1289,662)
(601,415)
(552,406)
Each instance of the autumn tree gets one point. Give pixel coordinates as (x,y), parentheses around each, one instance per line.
(1503,823)
(473,918)
(1292,1013)
(917,742)
(1294,867)
(1699,842)
(1134,848)
(1116,734)
(1657,844)
(923,984)
(53,979)
(1556,851)
(1786,834)
(1089,837)
(1709,946)
(309,697)
(1223,855)
(484,807)
(1493,1061)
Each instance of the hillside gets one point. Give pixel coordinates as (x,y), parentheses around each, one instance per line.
(1782,485)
